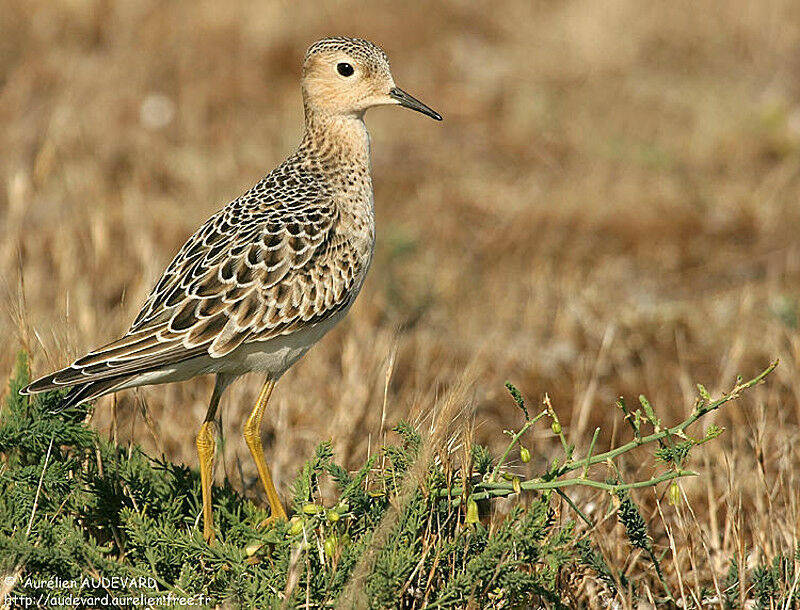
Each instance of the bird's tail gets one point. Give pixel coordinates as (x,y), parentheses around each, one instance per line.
(78,393)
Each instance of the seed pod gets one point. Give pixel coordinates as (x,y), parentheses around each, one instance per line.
(295,526)
(472,511)
(332,515)
(515,485)
(674,494)
(556,426)
(524,455)
(330,545)
(311,509)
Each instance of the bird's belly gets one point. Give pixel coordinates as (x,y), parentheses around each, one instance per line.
(273,356)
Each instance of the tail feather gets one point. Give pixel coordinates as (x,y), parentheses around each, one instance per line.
(89,391)
(42,384)
(79,393)
(77,374)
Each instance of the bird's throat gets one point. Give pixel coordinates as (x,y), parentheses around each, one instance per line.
(337,139)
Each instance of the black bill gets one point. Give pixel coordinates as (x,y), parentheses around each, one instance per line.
(411,102)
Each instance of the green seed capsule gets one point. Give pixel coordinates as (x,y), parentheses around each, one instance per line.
(674,494)
(311,509)
(472,511)
(332,515)
(556,427)
(524,455)
(515,484)
(295,526)
(330,545)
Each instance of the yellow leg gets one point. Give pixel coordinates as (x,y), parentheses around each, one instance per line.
(205,451)
(252,436)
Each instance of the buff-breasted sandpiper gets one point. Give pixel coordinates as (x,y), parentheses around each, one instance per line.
(270,273)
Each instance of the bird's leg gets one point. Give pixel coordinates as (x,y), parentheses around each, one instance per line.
(252,436)
(205,451)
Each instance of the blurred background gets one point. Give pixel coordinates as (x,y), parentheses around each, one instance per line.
(610,207)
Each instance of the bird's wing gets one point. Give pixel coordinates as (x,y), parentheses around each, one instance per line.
(245,275)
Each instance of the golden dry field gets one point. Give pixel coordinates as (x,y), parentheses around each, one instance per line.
(610,207)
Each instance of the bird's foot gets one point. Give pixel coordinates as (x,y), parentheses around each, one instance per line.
(270,522)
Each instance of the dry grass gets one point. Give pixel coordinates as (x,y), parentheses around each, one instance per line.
(610,207)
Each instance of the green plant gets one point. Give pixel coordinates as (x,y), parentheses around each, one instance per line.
(77,509)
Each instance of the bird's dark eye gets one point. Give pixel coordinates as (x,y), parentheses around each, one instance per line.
(345,69)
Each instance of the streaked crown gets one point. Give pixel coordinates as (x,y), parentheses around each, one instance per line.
(358,48)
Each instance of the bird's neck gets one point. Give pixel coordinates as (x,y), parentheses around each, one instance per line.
(337,140)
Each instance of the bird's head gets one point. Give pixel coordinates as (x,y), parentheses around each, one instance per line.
(346,76)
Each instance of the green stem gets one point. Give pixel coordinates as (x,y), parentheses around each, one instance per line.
(491,488)
(483,491)
(656,436)
(591,451)
(574,507)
